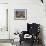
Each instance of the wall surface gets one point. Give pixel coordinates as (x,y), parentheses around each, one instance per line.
(3,20)
(35,13)
(3,34)
(3,1)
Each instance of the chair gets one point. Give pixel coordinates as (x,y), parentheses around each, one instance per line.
(33,30)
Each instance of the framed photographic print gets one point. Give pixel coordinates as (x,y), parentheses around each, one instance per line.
(20,14)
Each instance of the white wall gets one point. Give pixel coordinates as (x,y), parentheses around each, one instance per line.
(3,1)
(3,20)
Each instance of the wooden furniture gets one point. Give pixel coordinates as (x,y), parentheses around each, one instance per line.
(32,29)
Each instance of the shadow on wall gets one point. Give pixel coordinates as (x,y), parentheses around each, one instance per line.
(41,34)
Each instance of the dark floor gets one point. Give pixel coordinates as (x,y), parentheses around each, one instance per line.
(29,44)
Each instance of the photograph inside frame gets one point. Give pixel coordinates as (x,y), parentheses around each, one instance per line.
(20,14)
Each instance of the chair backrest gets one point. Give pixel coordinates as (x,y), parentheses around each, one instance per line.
(33,28)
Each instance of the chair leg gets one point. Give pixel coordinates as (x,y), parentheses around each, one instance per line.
(32,42)
(20,42)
